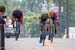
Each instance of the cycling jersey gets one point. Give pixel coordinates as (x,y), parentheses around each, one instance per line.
(55,14)
(18,14)
(44,17)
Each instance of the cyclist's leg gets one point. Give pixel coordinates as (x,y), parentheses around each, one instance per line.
(48,27)
(56,23)
(41,32)
(44,29)
(13,20)
(55,26)
(19,24)
(53,19)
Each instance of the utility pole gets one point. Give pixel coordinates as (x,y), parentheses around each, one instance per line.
(59,4)
(67,14)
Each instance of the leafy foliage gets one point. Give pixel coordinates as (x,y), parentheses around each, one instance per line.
(31,9)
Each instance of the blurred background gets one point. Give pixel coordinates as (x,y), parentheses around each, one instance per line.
(32,10)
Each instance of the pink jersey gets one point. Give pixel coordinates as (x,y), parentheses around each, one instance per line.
(55,14)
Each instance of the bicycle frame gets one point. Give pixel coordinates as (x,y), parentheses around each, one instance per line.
(17,29)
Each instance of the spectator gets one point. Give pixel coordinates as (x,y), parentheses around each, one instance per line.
(8,21)
(2,22)
(2,11)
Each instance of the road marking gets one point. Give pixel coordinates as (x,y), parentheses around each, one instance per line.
(49,45)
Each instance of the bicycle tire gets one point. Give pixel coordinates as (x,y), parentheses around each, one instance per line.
(17,36)
(43,39)
(52,31)
(52,38)
(43,36)
(43,42)
(17,31)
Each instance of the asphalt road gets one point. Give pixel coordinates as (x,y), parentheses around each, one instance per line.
(33,44)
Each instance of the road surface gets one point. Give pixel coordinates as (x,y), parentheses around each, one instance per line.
(33,44)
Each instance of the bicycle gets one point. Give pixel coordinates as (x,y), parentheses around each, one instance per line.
(17,30)
(43,34)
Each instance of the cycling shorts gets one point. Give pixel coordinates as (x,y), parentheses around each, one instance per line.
(19,19)
(53,19)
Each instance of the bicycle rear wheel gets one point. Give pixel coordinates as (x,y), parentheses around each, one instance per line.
(52,33)
(17,37)
(17,30)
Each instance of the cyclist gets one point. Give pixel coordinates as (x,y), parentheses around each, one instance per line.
(55,19)
(2,22)
(43,22)
(17,14)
